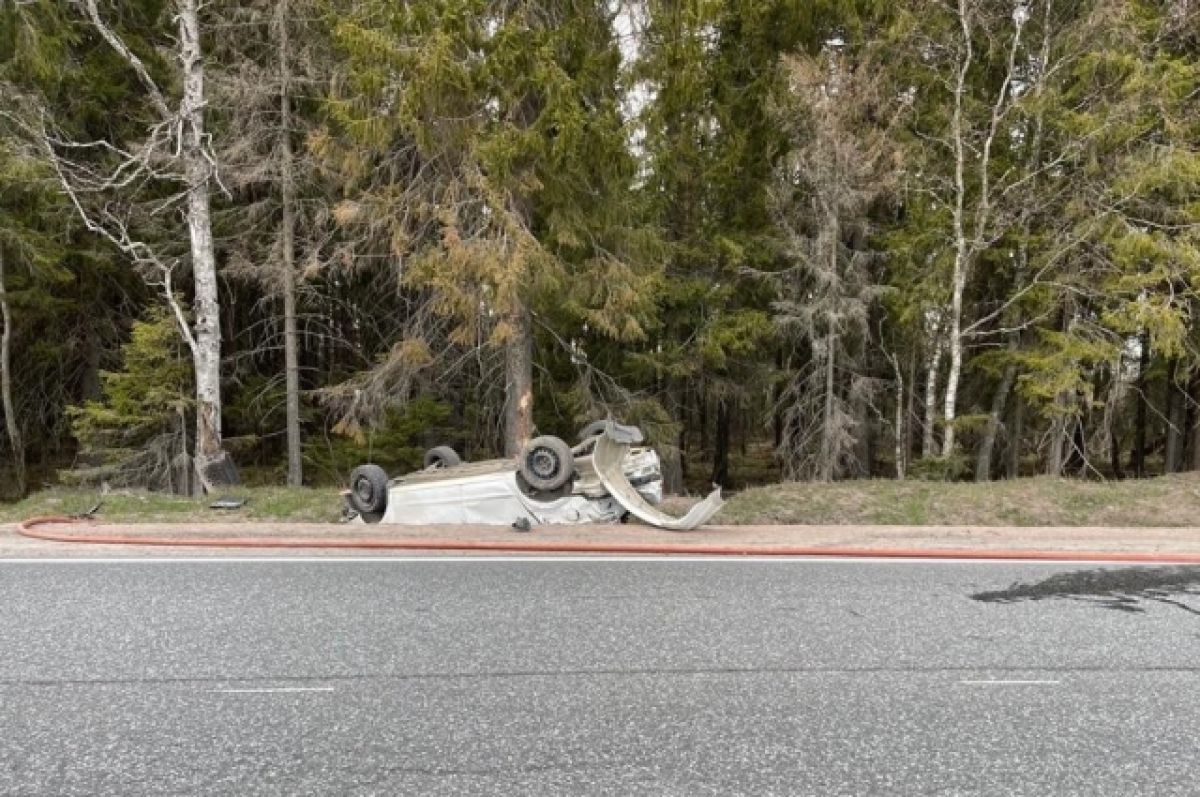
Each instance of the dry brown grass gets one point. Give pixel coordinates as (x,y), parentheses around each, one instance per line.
(1043,501)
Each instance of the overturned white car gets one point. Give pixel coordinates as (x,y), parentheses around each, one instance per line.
(606,477)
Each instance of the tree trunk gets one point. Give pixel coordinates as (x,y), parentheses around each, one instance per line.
(828,454)
(1138,458)
(685,439)
(89,383)
(672,470)
(983,461)
(1016,428)
(1057,437)
(958,278)
(954,374)
(10,412)
(1175,412)
(776,398)
(743,428)
(899,426)
(721,454)
(213,467)
(287,180)
(1114,455)
(1194,426)
(518,393)
(931,381)
(672,455)
(1076,461)
(910,409)
(866,439)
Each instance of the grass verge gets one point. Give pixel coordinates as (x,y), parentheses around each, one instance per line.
(1165,501)
(262,503)
(1042,501)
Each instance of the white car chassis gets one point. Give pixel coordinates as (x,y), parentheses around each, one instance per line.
(612,479)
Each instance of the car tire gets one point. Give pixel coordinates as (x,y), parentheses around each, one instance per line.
(368,489)
(546,463)
(442,457)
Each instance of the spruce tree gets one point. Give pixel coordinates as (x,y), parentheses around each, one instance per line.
(484,145)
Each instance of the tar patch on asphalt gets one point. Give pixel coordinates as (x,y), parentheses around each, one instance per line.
(1125,590)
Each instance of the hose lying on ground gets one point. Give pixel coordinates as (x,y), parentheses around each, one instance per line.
(29,528)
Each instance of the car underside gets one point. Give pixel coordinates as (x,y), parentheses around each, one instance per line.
(607,478)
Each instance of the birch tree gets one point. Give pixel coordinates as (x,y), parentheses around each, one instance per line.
(972,232)
(173,167)
(973,66)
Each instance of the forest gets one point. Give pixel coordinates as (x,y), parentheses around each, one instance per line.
(791,240)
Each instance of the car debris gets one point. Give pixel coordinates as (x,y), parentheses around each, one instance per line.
(605,478)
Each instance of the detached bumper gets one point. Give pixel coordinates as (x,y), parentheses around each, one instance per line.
(608,458)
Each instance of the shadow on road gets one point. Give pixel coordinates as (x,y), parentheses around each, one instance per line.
(1125,590)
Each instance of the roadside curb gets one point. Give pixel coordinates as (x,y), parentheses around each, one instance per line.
(29,528)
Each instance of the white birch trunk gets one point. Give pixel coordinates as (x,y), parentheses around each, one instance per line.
(205,306)
(933,367)
(958,280)
(967,243)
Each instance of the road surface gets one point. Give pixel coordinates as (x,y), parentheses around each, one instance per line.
(476,676)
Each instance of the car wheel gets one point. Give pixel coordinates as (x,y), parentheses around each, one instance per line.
(546,463)
(368,489)
(442,457)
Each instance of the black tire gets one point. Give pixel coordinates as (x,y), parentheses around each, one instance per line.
(442,457)
(546,463)
(368,489)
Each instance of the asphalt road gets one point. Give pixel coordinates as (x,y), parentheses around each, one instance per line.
(596,677)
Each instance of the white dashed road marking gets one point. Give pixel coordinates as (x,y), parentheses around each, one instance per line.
(273,689)
(1009,683)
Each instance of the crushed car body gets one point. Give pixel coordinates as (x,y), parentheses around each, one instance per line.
(607,477)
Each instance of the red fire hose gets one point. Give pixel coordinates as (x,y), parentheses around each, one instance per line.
(29,528)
